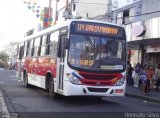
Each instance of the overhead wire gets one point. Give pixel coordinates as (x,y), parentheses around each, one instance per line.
(107,4)
(118,17)
(83,2)
(138,15)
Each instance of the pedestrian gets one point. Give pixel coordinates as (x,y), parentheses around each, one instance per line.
(158,77)
(140,80)
(154,78)
(137,74)
(143,78)
(150,73)
(129,75)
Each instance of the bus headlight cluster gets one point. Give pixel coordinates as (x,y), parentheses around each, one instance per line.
(73,79)
(120,82)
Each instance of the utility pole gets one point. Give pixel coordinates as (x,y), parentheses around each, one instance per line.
(70,9)
(50,13)
(108,11)
(55,18)
(50,9)
(66,5)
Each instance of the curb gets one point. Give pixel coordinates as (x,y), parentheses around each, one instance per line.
(4,111)
(142,97)
(3,106)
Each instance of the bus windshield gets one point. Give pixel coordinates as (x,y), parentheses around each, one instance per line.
(97,53)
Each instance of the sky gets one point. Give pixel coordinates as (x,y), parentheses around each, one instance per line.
(15,20)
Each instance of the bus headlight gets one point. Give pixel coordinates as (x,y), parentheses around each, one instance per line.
(120,82)
(73,79)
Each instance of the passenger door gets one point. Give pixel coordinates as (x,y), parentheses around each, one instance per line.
(61,59)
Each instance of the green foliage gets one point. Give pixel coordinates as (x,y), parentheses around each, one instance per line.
(4,56)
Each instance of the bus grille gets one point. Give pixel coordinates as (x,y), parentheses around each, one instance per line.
(93,79)
(98,76)
(104,90)
(97,83)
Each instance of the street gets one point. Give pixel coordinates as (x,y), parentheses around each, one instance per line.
(21,99)
(83,49)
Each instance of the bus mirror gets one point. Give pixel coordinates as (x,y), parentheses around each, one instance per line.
(66,43)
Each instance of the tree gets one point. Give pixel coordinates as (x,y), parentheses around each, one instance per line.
(3,58)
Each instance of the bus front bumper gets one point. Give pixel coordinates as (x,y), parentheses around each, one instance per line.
(84,90)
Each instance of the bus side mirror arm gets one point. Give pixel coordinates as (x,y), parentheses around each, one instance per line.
(63,44)
(59,51)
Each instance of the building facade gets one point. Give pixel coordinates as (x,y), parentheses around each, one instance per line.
(141,18)
(83,9)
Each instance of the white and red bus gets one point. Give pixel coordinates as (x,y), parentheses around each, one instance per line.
(78,58)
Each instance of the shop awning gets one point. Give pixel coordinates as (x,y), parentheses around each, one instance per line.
(145,42)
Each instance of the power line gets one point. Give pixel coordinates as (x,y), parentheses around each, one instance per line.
(139,15)
(83,2)
(91,3)
(107,4)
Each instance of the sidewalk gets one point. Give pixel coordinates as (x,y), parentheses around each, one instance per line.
(4,113)
(137,93)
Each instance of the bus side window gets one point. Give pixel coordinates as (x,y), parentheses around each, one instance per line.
(28,46)
(36,45)
(52,46)
(25,49)
(21,51)
(32,48)
(43,45)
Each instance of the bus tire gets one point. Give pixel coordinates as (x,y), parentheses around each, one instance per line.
(51,92)
(25,80)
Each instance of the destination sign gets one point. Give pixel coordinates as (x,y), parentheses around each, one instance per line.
(96,28)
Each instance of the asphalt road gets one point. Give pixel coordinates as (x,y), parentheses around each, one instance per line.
(35,100)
